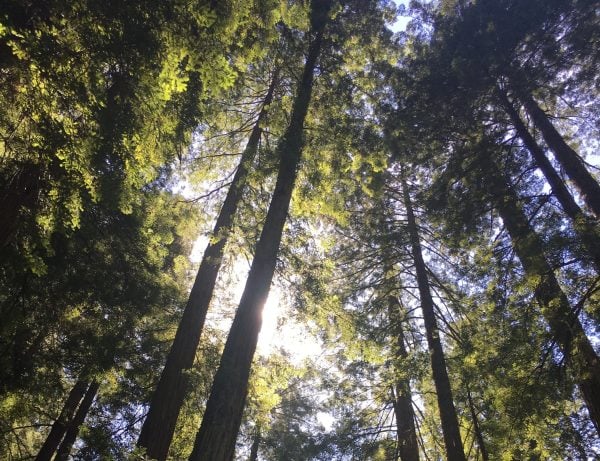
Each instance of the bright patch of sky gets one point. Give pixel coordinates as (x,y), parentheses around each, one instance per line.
(278,331)
(401,21)
(327,420)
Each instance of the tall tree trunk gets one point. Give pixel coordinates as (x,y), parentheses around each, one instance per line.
(408,445)
(586,184)
(59,427)
(476,427)
(450,428)
(586,230)
(556,309)
(64,450)
(158,428)
(215,440)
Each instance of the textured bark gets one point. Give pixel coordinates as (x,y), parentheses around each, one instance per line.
(449,419)
(64,450)
(158,428)
(586,184)
(477,428)
(59,427)
(408,445)
(585,228)
(215,440)
(556,309)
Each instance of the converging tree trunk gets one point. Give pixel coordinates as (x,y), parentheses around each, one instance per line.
(408,445)
(477,427)
(586,230)
(556,309)
(64,450)
(569,159)
(449,419)
(216,438)
(59,427)
(158,428)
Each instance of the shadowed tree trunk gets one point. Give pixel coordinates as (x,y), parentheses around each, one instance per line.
(408,445)
(158,428)
(64,450)
(556,309)
(59,427)
(216,438)
(574,167)
(476,427)
(584,227)
(449,419)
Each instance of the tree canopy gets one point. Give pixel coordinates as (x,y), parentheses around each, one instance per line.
(299,230)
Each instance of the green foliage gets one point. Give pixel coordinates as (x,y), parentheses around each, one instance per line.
(102,98)
(106,289)
(109,106)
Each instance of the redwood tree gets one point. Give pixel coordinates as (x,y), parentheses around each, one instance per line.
(216,438)
(450,427)
(167,400)
(557,310)
(583,225)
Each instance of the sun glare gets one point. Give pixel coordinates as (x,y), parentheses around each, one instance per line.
(281,331)
(270,317)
